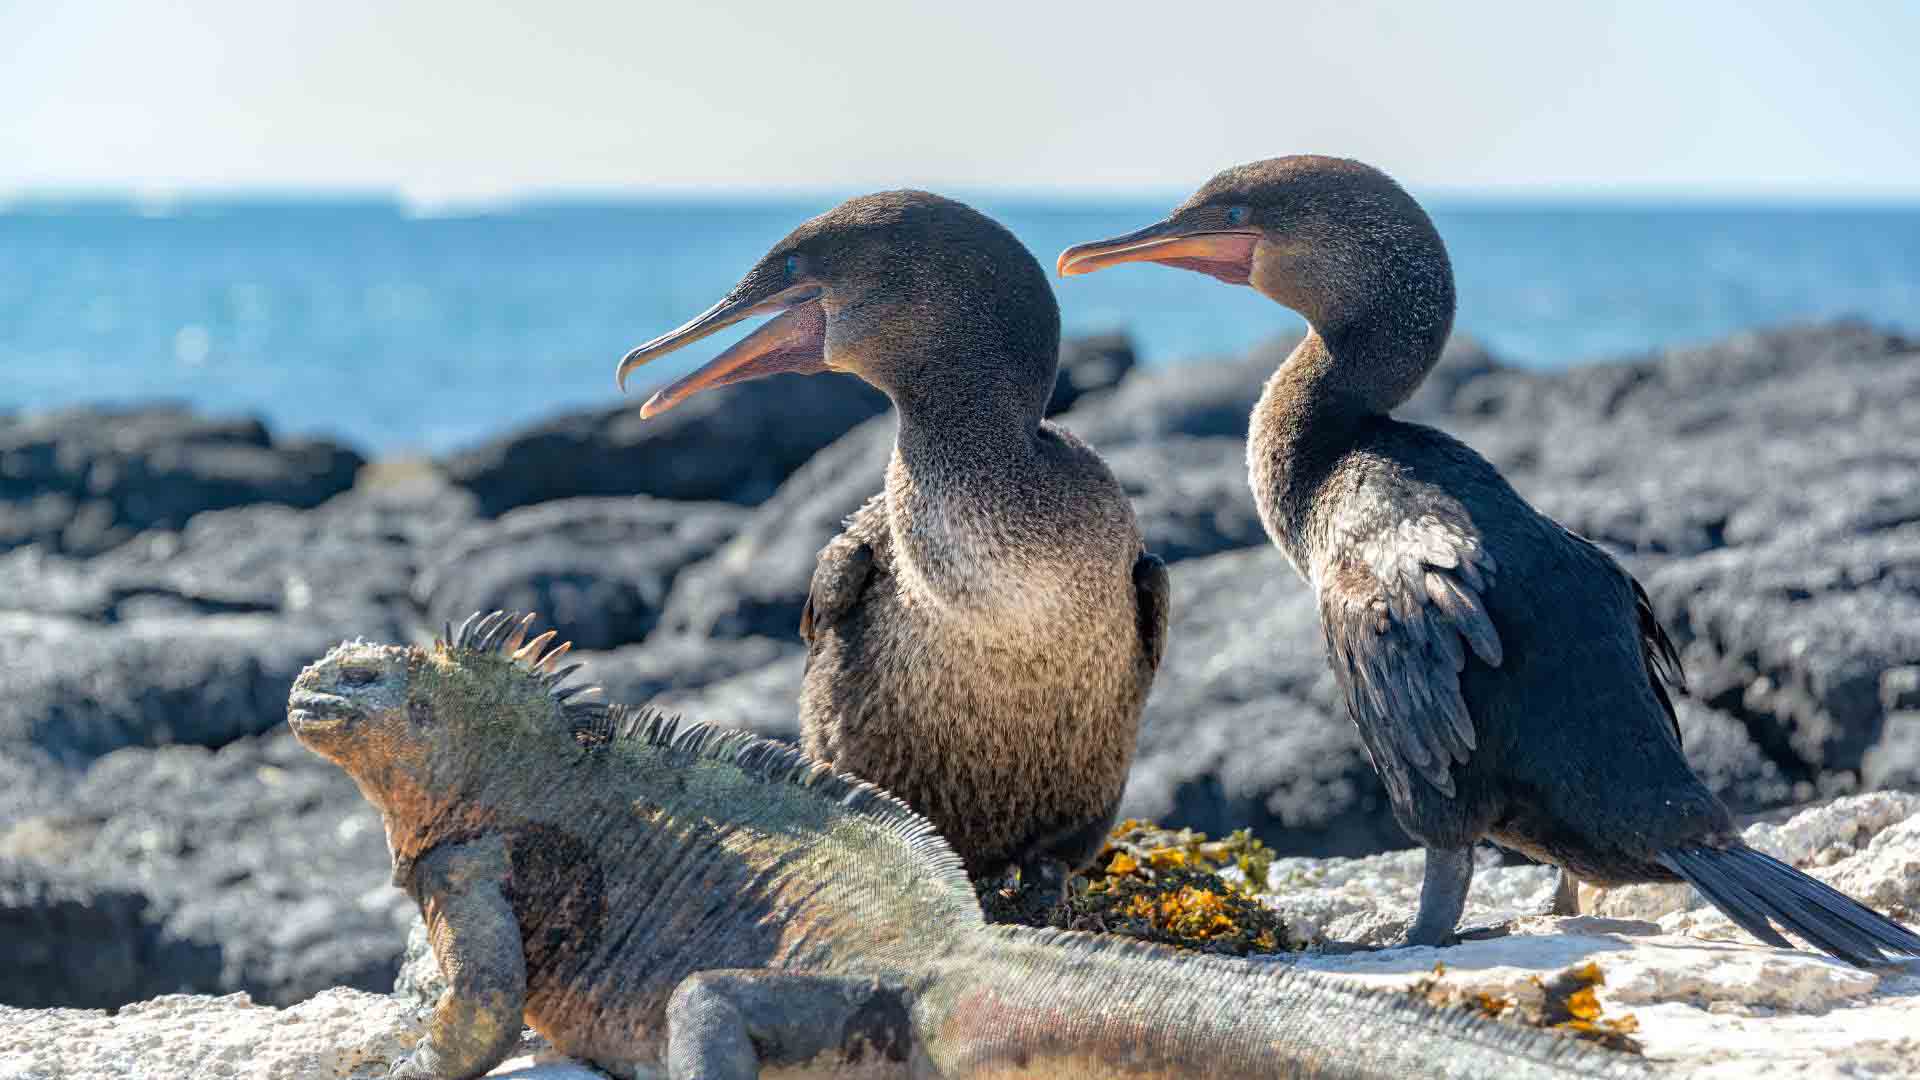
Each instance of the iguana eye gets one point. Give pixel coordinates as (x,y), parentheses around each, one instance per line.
(1236,215)
(358,676)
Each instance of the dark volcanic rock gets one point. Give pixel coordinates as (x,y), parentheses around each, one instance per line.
(258,868)
(70,942)
(1203,400)
(77,690)
(598,570)
(1796,638)
(1190,495)
(1090,365)
(763,700)
(756,584)
(83,480)
(669,663)
(359,551)
(734,444)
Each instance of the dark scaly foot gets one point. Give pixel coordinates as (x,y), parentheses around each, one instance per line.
(1566,895)
(1443,896)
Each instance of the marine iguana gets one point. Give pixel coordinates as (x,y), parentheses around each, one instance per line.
(656,897)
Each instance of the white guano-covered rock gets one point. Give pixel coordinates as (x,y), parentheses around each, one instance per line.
(1707,998)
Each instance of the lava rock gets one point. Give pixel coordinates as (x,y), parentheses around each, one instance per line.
(359,551)
(756,584)
(1794,638)
(78,690)
(669,663)
(258,868)
(1091,364)
(595,569)
(734,444)
(84,480)
(1190,495)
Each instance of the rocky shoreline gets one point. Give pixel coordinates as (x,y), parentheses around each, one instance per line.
(163,576)
(1692,992)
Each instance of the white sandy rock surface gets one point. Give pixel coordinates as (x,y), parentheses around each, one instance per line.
(1708,1000)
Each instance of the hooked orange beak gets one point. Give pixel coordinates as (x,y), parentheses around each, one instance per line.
(795,342)
(1226,254)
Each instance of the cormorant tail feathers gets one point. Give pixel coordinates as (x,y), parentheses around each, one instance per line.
(1751,888)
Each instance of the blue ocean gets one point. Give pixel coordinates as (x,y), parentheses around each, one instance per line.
(406,333)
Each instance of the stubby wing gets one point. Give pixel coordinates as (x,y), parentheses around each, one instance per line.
(1152,594)
(1662,659)
(839,577)
(1657,653)
(1401,609)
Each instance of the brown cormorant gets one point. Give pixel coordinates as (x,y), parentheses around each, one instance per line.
(1507,676)
(982,637)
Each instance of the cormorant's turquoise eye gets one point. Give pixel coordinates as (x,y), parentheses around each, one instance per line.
(1236,215)
(793,267)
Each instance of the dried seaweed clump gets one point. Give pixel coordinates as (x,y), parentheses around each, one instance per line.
(1567,1002)
(1165,886)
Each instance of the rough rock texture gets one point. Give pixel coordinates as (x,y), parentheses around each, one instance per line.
(76,690)
(1707,996)
(257,867)
(1719,1007)
(735,445)
(1090,365)
(83,480)
(596,569)
(757,582)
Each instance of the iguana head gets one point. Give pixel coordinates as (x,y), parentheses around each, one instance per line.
(402,720)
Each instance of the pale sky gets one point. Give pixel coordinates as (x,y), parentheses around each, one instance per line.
(477,99)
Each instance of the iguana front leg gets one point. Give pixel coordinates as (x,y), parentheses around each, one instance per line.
(727,1024)
(477,942)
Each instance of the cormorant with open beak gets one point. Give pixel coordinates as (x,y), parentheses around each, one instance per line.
(982,637)
(1507,676)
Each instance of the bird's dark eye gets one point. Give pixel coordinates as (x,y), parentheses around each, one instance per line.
(358,676)
(1236,215)
(793,267)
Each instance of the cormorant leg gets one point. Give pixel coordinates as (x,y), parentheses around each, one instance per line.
(726,1024)
(1566,895)
(1443,895)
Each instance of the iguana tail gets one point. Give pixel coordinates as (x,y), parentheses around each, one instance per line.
(1063,1005)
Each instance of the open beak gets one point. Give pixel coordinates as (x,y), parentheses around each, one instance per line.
(1226,254)
(794,342)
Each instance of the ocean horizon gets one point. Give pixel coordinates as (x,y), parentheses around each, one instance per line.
(408,329)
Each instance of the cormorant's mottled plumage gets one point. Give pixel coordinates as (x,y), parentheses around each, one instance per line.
(982,637)
(1507,676)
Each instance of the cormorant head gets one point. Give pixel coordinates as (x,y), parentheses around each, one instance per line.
(897,287)
(1328,237)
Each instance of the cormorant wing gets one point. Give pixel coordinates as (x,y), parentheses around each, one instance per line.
(1401,603)
(1152,594)
(1662,660)
(839,577)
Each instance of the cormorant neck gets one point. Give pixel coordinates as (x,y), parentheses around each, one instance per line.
(958,409)
(1378,342)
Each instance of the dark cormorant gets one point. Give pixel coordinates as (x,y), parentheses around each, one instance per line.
(1507,676)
